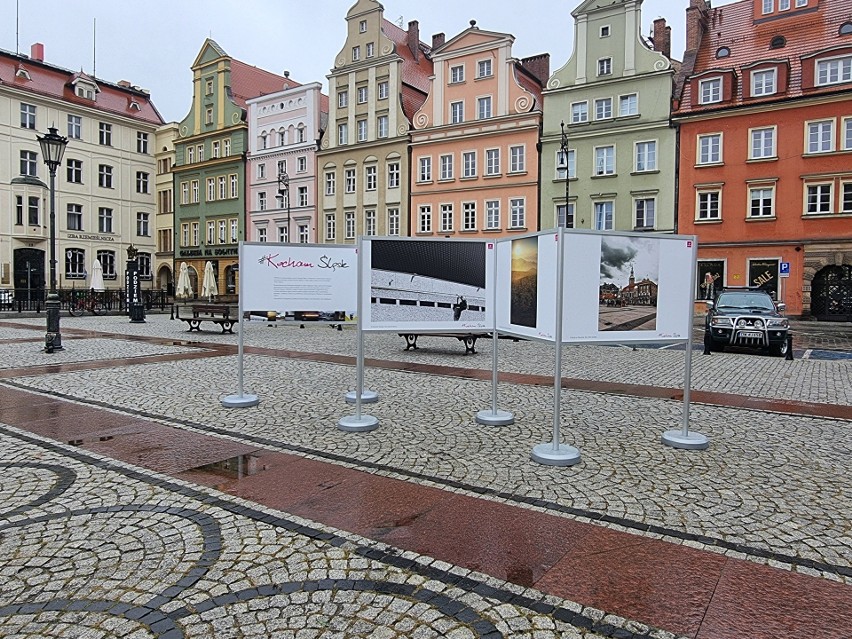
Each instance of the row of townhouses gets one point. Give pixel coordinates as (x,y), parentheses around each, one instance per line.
(458,138)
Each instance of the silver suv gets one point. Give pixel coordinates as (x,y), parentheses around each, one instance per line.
(748,318)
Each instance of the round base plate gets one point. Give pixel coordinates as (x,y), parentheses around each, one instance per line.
(690,441)
(240,401)
(491,418)
(367,397)
(353,424)
(563,456)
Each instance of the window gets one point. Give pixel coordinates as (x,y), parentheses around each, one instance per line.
(382,126)
(261,234)
(362,130)
(561,219)
(761,202)
(370,178)
(628,105)
(261,171)
(818,199)
(234,181)
(29,163)
(356,54)
(579,112)
(211,232)
(190,155)
(19,210)
(283,234)
(492,214)
(371,49)
(208,87)
(33,211)
(393,175)
(184,192)
(821,136)
(424,218)
(143,226)
(605,31)
(604,160)
(469,164)
(349,179)
(104,134)
(763,82)
(301,164)
(217,149)
(223,232)
(605,66)
(710,148)
(425,173)
(194,195)
(646,156)
(75,127)
(264,142)
(517,206)
(846,199)
(492,162)
(603,108)
(710,91)
(105,176)
(349,225)
(141,182)
(645,210)
(603,216)
(222,181)
(709,205)
(834,71)
(446,218)
(342,133)
(456,112)
(184,235)
(28,116)
(303,196)
(107,260)
(847,134)
(261,201)
(484,68)
(517,162)
(762,143)
(768,6)
(74,217)
(342,99)
(330,182)
(143,260)
(370,222)
(446,167)
(141,142)
(226,148)
(483,107)
(362,26)
(104,220)
(801,3)
(75,264)
(393,221)
(362,95)
(330,227)
(469,216)
(383,90)
(457,74)
(235,230)
(561,164)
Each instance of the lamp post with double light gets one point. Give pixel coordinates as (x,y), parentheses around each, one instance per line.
(563,146)
(284,192)
(52,148)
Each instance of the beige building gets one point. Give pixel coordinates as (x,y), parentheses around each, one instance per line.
(379,80)
(164,154)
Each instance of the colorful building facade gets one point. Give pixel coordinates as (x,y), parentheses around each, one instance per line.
(474,155)
(164,154)
(765,118)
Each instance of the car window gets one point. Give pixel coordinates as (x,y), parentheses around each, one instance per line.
(736,300)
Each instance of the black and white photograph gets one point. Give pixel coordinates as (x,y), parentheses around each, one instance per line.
(629,283)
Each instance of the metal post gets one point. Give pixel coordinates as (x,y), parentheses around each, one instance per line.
(563,145)
(240,400)
(53,337)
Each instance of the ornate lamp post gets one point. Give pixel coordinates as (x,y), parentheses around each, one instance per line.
(284,192)
(563,146)
(52,148)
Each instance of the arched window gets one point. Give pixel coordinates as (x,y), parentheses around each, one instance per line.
(845,29)
(723,52)
(778,42)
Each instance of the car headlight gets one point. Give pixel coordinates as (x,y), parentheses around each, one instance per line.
(778,323)
(721,321)
(758,323)
(741,323)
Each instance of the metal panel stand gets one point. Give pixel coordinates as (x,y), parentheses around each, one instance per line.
(241,399)
(494,416)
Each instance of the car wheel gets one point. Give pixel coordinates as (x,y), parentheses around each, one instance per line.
(779,349)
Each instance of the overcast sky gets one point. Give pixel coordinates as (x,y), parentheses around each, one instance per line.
(153,44)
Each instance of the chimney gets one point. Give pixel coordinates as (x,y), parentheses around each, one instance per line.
(538,66)
(414,39)
(696,21)
(124,83)
(37,52)
(438,39)
(662,37)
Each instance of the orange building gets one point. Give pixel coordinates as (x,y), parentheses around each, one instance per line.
(765,121)
(474,157)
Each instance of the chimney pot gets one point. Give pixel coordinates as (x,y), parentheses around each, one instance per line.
(37,52)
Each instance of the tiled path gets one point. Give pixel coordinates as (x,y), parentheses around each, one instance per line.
(689,584)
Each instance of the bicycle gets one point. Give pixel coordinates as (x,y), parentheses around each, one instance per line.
(77,307)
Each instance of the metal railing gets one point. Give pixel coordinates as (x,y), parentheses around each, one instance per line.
(111,301)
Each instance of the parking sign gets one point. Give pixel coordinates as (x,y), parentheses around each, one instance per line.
(784,269)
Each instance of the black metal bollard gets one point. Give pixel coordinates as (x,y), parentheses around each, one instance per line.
(707,340)
(789,356)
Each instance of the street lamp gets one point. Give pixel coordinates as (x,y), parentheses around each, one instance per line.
(284,192)
(563,145)
(52,147)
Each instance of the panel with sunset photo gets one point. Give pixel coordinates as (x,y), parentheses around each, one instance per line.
(524,294)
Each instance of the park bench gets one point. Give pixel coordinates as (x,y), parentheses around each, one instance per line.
(222,314)
(468,339)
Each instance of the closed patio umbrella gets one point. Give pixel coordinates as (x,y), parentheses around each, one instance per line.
(184,286)
(208,286)
(97,276)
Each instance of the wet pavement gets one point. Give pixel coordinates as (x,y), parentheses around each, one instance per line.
(134,504)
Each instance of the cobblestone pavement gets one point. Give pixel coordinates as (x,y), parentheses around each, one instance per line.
(772,488)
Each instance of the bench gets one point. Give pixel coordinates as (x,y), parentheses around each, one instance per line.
(222,314)
(468,339)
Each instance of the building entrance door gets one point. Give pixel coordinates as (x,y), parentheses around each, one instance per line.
(831,294)
(29,274)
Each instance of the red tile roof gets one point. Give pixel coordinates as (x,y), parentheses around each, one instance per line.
(415,73)
(55,82)
(807,30)
(249,82)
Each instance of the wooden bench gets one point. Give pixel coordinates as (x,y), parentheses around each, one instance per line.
(468,339)
(222,314)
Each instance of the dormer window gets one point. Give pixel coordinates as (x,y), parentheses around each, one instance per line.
(723,52)
(710,91)
(783,5)
(22,73)
(763,82)
(778,42)
(83,88)
(801,3)
(845,29)
(768,6)
(834,71)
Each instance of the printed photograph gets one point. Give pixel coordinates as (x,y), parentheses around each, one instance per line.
(629,277)
(524,293)
(427,281)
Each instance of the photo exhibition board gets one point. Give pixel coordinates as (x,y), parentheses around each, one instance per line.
(617,288)
(299,277)
(432,285)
